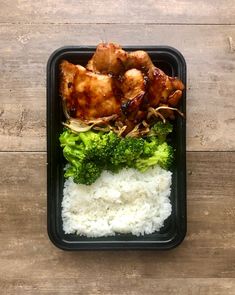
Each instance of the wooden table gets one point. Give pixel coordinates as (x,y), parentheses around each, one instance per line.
(204,31)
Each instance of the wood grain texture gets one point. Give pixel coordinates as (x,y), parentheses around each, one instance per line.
(203,264)
(129,285)
(210,62)
(119,11)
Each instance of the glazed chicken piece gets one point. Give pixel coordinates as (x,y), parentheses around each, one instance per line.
(133,89)
(112,59)
(67,71)
(108,59)
(119,83)
(133,84)
(163,89)
(140,60)
(87,95)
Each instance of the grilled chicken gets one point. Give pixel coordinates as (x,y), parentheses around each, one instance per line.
(164,90)
(87,95)
(133,84)
(119,83)
(108,59)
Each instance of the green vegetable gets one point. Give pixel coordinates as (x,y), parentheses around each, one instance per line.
(90,152)
(87,153)
(161,130)
(162,156)
(150,145)
(127,152)
(80,169)
(84,172)
(68,138)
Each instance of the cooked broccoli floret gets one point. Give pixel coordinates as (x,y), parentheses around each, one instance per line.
(88,173)
(78,154)
(162,156)
(84,172)
(74,154)
(100,145)
(90,138)
(161,130)
(127,152)
(150,146)
(70,171)
(68,138)
(91,145)
(105,151)
(87,153)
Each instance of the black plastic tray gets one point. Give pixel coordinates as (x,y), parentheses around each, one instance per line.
(172,234)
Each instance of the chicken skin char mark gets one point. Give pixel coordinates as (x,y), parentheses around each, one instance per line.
(117,82)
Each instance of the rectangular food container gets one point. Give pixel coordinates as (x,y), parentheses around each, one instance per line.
(172,234)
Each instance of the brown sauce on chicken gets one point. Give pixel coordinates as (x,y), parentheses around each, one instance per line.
(117,82)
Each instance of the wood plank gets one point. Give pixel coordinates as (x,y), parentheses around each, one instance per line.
(203,264)
(24,51)
(126,11)
(131,285)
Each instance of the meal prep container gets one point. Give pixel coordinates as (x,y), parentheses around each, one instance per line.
(172,234)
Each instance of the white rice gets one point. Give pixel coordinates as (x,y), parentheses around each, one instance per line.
(126,202)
